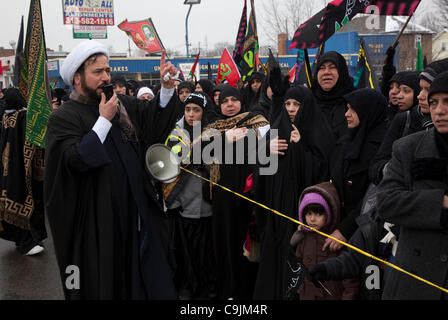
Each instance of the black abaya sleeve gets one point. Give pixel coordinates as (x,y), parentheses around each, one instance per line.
(384,154)
(153,123)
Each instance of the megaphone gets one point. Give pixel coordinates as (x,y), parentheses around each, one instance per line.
(161,163)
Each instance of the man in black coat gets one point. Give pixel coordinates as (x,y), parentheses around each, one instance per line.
(102,211)
(413,195)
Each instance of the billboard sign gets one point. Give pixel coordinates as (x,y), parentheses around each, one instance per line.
(88,12)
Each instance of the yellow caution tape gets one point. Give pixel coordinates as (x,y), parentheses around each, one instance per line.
(323,234)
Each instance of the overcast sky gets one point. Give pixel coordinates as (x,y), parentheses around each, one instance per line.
(212,21)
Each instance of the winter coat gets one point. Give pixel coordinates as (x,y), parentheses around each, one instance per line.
(309,245)
(187,194)
(403,124)
(415,203)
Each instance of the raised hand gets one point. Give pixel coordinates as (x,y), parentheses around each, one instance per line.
(167,68)
(277,82)
(295,135)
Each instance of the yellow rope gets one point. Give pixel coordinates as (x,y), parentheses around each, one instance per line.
(323,234)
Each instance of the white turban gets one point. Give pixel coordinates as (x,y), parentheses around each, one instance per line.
(144,90)
(77,57)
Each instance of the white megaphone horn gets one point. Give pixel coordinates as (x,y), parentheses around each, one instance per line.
(161,163)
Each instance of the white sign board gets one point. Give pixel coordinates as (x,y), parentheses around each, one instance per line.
(186,67)
(89,32)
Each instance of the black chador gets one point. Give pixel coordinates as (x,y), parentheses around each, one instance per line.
(304,164)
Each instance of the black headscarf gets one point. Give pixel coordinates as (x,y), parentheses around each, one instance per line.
(207,87)
(263,106)
(433,69)
(226,91)
(411,79)
(309,120)
(186,84)
(118,79)
(371,107)
(251,97)
(216,88)
(133,85)
(440,85)
(344,84)
(14,99)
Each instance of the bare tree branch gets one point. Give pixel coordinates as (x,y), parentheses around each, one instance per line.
(285,16)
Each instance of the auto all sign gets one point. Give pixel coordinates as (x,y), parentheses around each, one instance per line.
(88,12)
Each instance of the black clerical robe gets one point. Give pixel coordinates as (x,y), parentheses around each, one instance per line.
(101,209)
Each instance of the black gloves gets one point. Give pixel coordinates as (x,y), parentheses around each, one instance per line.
(278,84)
(318,273)
(389,71)
(390,55)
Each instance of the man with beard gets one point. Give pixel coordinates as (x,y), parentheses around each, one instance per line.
(103,213)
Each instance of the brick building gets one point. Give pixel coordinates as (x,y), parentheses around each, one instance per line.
(407,48)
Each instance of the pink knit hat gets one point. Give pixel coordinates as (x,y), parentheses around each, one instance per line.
(313,198)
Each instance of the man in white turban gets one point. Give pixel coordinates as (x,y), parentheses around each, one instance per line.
(103,209)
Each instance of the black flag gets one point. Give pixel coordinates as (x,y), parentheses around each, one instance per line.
(365,77)
(19,57)
(295,274)
(307,34)
(250,58)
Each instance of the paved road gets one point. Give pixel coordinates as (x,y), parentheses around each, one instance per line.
(29,277)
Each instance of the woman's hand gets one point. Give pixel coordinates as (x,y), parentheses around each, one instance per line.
(277,146)
(295,135)
(236,134)
(334,245)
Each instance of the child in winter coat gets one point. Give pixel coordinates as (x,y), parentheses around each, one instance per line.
(319,207)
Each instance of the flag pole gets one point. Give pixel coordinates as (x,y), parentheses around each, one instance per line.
(394,45)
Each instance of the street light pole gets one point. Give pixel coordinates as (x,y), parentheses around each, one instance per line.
(186,32)
(190,3)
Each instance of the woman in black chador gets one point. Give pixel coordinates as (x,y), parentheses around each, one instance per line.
(331,83)
(304,145)
(366,122)
(232,214)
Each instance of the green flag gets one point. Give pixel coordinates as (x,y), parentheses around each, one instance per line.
(35,72)
(419,66)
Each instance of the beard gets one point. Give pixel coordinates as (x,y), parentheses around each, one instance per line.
(89,91)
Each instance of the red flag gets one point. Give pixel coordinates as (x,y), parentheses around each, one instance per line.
(292,73)
(1,68)
(227,69)
(144,34)
(193,68)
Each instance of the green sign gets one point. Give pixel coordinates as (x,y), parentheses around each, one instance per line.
(89,32)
